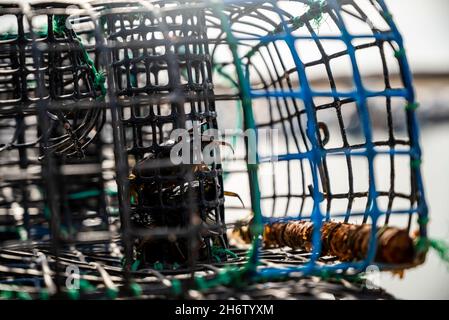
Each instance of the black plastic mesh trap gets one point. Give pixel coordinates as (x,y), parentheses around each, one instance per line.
(50,115)
(162,80)
(152,94)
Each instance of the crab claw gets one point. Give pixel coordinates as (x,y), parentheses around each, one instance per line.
(235,195)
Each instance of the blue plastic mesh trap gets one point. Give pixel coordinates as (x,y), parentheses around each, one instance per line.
(344,145)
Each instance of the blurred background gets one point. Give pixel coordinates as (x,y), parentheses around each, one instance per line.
(424,26)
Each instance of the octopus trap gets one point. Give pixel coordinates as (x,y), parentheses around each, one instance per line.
(205,150)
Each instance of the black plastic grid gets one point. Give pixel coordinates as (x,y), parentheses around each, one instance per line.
(50,115)
(162,82)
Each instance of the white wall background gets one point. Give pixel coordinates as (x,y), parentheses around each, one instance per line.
(424,25)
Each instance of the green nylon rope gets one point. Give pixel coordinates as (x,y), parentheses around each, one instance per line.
(60,27)
(441,247)
(238,121)
(250,123)
(232,274)
(315,13)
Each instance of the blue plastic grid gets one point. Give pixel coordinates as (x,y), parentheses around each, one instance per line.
(317,153)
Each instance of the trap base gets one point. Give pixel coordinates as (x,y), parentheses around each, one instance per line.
(30,272)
